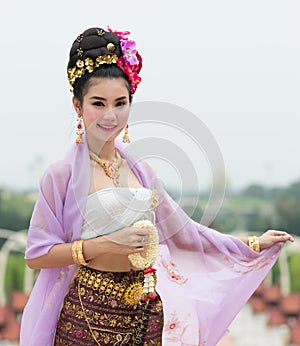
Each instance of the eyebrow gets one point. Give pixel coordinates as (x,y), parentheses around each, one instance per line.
(104,99)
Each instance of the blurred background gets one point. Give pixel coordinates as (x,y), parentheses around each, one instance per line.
(233,64)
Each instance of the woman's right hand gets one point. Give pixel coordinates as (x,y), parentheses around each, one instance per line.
(125,241)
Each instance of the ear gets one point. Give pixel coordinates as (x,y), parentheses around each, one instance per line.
(76,105)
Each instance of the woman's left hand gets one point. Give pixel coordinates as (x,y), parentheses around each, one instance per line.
(271,237)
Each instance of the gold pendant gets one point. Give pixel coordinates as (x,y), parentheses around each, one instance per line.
(133,293)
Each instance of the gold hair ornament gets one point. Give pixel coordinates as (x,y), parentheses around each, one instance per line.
(89,65)
(130,62)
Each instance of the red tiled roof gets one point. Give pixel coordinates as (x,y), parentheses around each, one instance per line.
(11,329)
(3,315)
(258,304)
(275,317)
(18,300)
(260,290)
(272,294)
(290,304)
(295,334)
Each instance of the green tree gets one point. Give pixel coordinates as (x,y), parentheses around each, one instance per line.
(14,278)
(287,206)
(255,190)
(15,210)
(294,265)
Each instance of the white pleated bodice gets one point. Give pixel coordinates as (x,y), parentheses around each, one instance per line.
(111,209)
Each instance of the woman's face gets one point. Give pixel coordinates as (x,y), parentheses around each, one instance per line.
(105,108)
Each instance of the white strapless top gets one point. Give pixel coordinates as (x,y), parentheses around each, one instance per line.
(111,209)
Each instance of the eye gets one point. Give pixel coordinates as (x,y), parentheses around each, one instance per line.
(98,104)
(121,103)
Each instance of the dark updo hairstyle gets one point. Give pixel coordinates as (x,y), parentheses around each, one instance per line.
(92,43)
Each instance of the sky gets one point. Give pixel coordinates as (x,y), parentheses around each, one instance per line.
(235,65)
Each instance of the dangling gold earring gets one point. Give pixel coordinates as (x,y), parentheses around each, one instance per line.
(126,138)
(79,131)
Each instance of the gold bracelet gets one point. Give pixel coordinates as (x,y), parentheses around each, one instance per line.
(77,254)
(74,252)
(80,257)
(254,243)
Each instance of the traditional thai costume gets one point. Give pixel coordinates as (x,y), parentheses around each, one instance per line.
(203,277)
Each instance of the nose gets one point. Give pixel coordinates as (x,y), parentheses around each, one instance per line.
(110,114)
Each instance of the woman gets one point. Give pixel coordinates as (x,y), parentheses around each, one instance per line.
(91,225)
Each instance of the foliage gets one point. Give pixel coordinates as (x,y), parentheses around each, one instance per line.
(251,214)
(276,273)
(287,207)
(15,210)
(227,221)
(14,277)
(294,265)
(260,221)
(255,190)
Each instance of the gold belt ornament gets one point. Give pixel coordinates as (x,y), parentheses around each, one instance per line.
(133,293)
(105,284)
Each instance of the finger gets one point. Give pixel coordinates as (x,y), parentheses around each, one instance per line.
(278,233)
(282,238)
(281,234)
(137,249)
(140,240)
(290,237)
(286,236)
(142,232)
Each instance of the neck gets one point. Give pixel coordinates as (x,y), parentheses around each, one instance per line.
(105,150)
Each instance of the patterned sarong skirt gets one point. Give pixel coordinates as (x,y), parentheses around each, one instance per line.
(104,308)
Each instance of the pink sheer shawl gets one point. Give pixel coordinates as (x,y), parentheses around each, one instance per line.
(204,277)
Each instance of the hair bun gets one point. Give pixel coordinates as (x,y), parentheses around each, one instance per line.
(96,47)
(94,42)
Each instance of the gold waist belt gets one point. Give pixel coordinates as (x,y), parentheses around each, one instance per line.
(126,286)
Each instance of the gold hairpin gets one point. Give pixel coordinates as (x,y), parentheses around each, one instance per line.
(100,32)
(79,52)
(79,38)
(111,47)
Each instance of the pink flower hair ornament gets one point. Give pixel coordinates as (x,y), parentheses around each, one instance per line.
(131,61)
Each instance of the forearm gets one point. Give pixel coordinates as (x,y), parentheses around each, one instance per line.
(60,255)
(125,241)
(266,240)
(253,242)
(244,240)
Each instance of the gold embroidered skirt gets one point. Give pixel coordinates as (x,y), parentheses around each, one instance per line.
(103,308)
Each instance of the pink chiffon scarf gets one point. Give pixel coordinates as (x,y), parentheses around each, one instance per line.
(204,277)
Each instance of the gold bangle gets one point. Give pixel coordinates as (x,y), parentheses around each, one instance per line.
(74,252)
(254,243)
(80,256)
(77,254)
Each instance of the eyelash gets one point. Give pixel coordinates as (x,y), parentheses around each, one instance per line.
(121,103)
(101,104)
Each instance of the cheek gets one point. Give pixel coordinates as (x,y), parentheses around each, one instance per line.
(90,117)
(123,118)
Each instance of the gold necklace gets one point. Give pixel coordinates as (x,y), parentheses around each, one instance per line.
(111,169)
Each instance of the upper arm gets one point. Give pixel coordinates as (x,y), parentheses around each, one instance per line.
(46,224)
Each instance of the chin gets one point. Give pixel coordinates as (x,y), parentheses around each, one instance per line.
(109,138)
